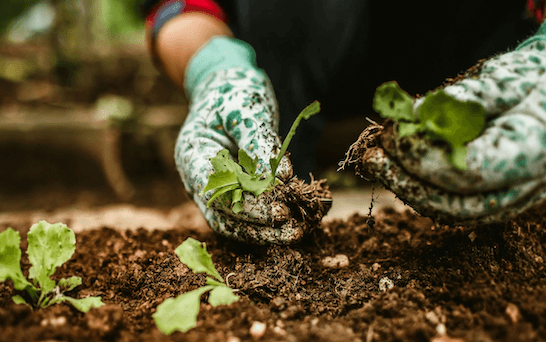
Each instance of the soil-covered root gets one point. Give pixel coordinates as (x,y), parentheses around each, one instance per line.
(307,202)
(282,216)
(362,149)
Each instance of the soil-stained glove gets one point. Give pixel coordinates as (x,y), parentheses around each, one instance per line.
(506,171)
(233,106)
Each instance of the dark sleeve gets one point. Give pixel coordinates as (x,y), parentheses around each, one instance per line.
(147,5)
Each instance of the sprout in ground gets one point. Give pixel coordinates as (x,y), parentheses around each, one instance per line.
(49,246)
(180,313)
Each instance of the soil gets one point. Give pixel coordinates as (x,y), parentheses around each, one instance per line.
(406,279)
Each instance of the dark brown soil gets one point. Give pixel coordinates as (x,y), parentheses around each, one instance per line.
(407,280)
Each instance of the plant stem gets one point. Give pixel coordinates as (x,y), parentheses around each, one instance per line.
(306,113)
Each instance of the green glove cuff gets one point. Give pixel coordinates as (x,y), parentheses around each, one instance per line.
(539,36)
(220,53)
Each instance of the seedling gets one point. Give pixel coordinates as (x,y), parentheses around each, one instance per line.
(180,313)
(440,115)
(49,246)
(230,179)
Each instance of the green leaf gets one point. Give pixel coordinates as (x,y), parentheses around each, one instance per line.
(20,300)
(222,295)
(254,185)
(408,128)
(84,304)
(453,121)
(49,246)
(228,173)
(219,180)
(390,101)
(248,163)
(68,284)
(179,313)
(213,282)
(457,156)
(237,201)
(10,258)
(193,254)
(223,162)
(306,113)
(220,191)
(310,110)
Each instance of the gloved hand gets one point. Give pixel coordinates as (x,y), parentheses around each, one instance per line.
(506,171)
(233,106)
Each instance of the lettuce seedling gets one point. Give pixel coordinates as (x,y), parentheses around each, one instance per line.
(180,313)
(49,246)
(440,115)
(232,178)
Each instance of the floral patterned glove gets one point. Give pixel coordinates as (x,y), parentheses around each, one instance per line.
(233,106)
(506,171)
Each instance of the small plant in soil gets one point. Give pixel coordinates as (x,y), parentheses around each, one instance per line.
(440,116)
(231,180)
(49,246)
(180,313)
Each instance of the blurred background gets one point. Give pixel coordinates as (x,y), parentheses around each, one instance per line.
(85,117)
(87,121)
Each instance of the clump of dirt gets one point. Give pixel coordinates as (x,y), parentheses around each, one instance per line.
(406,280)
(308,203)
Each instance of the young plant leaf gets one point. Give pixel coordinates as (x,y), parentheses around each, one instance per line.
(254,185)
(440,115)
(223,162)
(408,128)
(390,101)
(237,200)
(222,295)
(230,177)
(306,113)
(220,179)
(194,254)
(49,246)
(248,163)
(84,304)
(10,258)
(453,121)
(17,299)
(220,191)
(310,110)
(69,284)
(179,313)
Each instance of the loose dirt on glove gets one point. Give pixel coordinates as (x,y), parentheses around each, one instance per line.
(298,209)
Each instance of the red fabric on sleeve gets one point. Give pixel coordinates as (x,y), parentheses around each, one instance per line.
(209,7)
(536,9)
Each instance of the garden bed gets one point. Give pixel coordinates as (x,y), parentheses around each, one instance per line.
(407,279)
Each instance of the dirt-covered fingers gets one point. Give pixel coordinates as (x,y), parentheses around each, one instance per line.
(290,232)
(449,207)
(262,210)
(510,151)
(285,171)
(281,216)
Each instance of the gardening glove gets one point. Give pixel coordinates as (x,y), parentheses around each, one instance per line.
(233,106)
(506,164)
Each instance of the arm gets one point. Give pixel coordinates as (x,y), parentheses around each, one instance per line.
(231,106)
(182,37)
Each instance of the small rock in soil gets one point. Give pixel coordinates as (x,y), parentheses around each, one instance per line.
(338,261)
(257,330)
